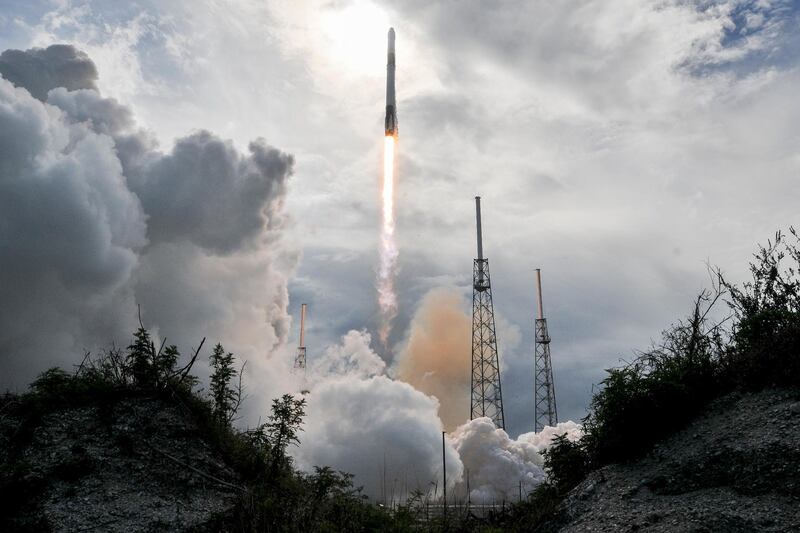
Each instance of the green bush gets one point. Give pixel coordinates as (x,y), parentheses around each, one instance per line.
(766,333)
(660,390)
(566,463)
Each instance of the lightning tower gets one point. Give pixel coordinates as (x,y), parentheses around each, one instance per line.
(300,358)
(545,413)
(487,396)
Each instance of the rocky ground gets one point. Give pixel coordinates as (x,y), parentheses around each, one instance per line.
(134,465)
(735,468)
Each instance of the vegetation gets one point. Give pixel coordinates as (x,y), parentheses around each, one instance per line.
(274,496)
(755,344)
(226,399)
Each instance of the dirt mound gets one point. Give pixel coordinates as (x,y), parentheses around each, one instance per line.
(137,464)
(734,468)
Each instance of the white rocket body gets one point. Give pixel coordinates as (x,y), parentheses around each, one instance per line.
(390,124)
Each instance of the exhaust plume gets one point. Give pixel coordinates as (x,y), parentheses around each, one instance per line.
(436,359)
(387,299)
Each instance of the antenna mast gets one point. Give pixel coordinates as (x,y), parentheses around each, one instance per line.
(487,395)
(545,413)
(300,359)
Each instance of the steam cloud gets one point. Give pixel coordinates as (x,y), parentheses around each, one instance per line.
(498,466)
(96,219)
(361,421)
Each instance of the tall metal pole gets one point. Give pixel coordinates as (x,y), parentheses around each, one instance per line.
(539,291)
(303,326)
(486,398)
(444,482)
(545,413)
(478,225)
(300,358)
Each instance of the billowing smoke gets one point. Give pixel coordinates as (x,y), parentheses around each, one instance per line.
(40,69)
(388,433)
(97,219)
(436,358)
(353,357)
(498,467)
(383,431)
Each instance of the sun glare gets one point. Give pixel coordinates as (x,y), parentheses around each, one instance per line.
(356,36)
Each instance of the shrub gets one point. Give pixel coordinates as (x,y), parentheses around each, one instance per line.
(224,395)
(566,463)
(766,333)
(661,389)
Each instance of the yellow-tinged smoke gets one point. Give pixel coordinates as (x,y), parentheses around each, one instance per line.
(437,358)
(387,299)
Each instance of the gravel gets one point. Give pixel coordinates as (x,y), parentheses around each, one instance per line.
(734,468)
(123,468)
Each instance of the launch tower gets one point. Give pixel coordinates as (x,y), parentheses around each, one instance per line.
(487,396)
(545,413)
(300,358)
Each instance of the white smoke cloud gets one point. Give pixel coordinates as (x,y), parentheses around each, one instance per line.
(96,219)
(361,421)
(497,465)
(353,357)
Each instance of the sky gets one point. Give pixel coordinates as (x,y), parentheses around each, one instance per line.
(620,146)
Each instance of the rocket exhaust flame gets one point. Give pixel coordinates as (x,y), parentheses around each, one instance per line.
(387,299)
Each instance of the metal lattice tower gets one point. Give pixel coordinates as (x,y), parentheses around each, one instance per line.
(487,395)
(545,412)
(300,358)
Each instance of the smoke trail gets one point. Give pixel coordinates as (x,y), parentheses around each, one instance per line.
(436,359)
(387,299)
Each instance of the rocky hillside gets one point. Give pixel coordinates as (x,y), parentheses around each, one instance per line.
(137,464)
(734,468)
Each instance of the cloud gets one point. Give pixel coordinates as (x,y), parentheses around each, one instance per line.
(230,197)
(363,422)
(97,220)
(352,357)
(499,467)
(228,201)
(70,236)
(388,433)
(42,69)
(353,424)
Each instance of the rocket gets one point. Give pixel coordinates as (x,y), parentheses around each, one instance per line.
(391,107)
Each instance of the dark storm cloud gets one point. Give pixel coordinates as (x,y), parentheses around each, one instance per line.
(42,69)
(96,219)
(204,190)
(69,236)
(227,201)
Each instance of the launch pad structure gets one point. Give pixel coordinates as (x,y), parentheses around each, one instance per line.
(545,413)
(300,358)
(487,395)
